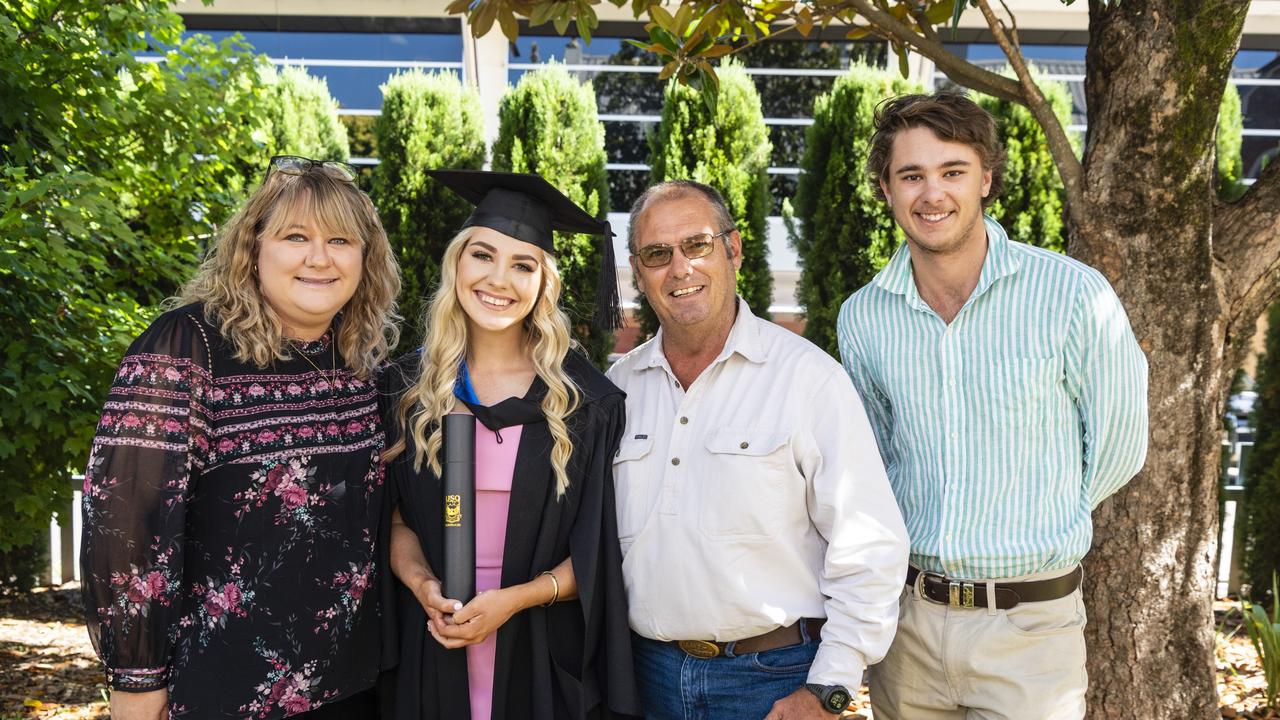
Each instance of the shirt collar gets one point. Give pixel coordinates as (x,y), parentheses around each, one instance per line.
(897,277)
(744,339)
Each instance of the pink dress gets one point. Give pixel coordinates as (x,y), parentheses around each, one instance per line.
(495,467)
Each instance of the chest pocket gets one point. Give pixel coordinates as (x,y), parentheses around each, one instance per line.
(744,489)
(636,484)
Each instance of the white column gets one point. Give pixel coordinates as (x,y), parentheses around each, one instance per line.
(484,67)
(919,68)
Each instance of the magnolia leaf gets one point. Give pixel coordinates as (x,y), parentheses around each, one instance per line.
(584,28)
(663,18)
(458,6)
(858,33)
(716,51)
(668,70)
(542,13)
(561,24)
(940,11)
(483,17)
(904,64)
(683,17)
(959,9)
(507,21)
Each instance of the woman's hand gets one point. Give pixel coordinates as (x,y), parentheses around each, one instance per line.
(152,705)
(478,619)
(430,596)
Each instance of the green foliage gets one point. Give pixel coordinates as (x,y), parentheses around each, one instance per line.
(428,121)
(1031,206)
(1229,140)
(842,233)
(727,149)
(1264,633)
(1262,466)
(548,125)
(302,118)
(111,169)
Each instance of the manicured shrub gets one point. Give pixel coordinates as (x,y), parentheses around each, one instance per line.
(842,233)
(302,116)
(548,125)
(1262,467)
(428,121)
(729,150)
(1031,206)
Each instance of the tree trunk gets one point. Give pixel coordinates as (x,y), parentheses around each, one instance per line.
(1156,71)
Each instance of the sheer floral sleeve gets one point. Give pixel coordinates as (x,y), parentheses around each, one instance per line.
(149,445)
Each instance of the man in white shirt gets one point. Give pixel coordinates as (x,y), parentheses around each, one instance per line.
(763,551)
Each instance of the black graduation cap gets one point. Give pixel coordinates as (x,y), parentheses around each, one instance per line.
(527,207)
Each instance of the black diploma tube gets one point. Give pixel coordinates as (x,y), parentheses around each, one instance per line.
(459,483)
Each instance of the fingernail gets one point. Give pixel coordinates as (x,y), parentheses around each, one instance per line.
(457,606)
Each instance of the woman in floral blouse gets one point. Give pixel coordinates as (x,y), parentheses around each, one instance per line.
(234,490)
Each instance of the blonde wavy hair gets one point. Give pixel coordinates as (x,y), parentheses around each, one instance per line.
(422,409)
(227,280)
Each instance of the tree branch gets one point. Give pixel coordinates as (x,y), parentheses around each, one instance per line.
(1064,156)
(961,71)
(1246,248)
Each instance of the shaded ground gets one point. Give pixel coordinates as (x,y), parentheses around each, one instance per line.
(48,669)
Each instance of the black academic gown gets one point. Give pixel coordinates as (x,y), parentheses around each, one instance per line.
(569,661)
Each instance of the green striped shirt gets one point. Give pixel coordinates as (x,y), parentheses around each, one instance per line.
(1003,430)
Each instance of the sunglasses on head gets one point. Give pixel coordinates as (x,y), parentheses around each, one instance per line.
(298,165)
(695,246)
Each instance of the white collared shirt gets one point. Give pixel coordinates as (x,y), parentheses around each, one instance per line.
(757,497)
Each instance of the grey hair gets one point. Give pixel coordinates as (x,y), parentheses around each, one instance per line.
(677,190)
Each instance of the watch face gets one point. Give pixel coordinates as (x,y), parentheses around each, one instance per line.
(838,700)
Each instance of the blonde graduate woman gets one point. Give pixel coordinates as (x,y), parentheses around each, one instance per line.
(234,491)
(547,636)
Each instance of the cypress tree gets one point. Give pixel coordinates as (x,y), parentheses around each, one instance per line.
(1031,207)
(303,118)
(428,121)
(548,125)
(842,233)
(1262,467)
(728,150)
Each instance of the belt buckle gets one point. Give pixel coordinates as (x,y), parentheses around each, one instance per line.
(960,594)
(921,577)
(700,648)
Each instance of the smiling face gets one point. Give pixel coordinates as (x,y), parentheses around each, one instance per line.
(688,295)
(307,273)
(498,280)
(935,189)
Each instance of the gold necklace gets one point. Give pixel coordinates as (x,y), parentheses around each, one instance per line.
(333,363)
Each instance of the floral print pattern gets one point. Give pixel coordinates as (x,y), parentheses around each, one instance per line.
(223,506)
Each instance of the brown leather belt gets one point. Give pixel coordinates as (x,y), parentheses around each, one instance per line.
(968,593)
(772,640)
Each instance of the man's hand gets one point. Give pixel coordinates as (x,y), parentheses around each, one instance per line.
(799,705)
(152,705)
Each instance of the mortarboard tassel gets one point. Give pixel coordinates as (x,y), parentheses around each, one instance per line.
(607,315)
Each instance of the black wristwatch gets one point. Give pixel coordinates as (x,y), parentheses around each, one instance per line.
(834,698)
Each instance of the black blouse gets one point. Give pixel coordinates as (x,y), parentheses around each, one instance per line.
(231,516)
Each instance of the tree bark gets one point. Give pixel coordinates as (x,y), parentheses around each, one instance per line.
(1155,74)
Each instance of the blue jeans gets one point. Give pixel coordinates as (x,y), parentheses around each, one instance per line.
(678,686)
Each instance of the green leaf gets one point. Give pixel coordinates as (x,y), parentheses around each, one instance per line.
(663,18)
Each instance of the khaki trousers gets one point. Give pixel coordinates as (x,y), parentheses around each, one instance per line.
(983,663)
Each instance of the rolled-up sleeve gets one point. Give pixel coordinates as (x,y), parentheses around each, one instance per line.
(853,508)
(1106,374)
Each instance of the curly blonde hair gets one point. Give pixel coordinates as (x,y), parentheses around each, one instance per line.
(227,280)
(422,409)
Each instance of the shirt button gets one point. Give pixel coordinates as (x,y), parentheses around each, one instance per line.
(955,435)
(744,444)
(684,421)
(675,461)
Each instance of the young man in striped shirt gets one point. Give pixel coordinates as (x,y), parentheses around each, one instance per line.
(1009,398)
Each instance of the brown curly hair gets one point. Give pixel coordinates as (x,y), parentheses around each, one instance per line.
(951,116)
